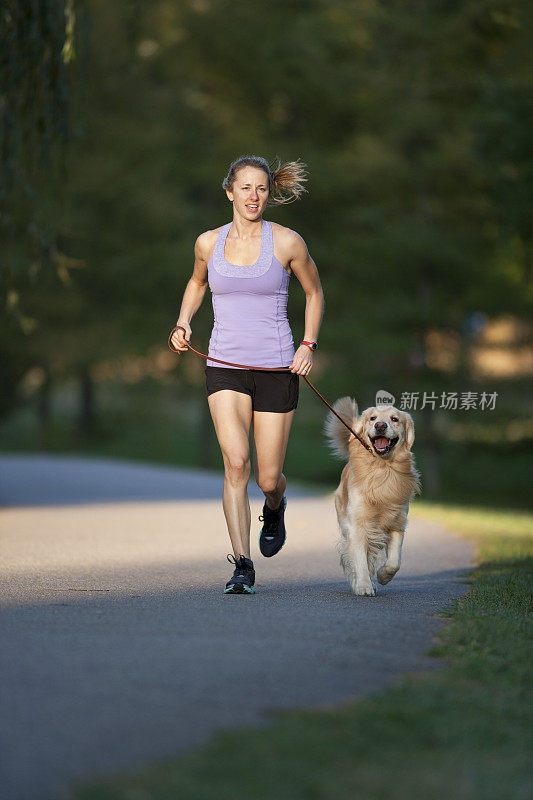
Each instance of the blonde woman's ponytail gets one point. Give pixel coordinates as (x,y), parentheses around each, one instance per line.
(288,180)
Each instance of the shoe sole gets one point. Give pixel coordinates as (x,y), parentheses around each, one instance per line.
(239,588)
(269,555)
(284,538)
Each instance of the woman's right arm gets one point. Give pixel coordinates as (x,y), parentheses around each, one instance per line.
(194,292)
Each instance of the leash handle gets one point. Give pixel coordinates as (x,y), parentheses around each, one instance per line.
(266,369)
(231,364)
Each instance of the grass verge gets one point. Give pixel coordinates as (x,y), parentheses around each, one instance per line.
(462,732)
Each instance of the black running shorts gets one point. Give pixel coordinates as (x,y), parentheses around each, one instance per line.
(270,391)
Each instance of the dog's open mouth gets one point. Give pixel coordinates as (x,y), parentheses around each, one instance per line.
(383,445)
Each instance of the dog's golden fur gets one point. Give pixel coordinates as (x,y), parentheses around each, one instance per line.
(372,499)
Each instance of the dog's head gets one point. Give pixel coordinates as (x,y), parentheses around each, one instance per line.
(386,429)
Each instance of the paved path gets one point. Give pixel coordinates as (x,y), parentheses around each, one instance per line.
(154,657)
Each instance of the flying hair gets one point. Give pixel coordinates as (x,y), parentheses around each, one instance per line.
(285,181)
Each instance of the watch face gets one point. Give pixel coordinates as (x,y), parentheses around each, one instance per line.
(314,346)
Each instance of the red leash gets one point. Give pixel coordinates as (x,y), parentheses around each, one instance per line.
(266,369)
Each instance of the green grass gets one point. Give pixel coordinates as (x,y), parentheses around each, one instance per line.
(463,732)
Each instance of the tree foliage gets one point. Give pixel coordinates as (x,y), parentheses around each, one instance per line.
(414,122)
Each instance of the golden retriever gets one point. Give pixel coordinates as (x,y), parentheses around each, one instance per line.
(372,499)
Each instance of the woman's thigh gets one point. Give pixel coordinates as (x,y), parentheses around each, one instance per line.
(231,412)
(271,434)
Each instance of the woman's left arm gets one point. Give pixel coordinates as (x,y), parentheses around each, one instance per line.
(305,270)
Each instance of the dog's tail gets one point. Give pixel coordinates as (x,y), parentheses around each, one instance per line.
(337,434)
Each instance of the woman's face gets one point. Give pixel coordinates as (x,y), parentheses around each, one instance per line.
(249,193)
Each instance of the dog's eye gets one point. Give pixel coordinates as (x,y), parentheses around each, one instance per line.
(394,419)
(371,418)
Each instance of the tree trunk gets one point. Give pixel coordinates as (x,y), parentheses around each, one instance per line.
(44,397)
(87,413)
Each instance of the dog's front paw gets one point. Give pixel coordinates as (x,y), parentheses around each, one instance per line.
(363,589)
(386,574)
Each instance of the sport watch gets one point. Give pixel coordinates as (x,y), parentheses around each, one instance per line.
(311,345)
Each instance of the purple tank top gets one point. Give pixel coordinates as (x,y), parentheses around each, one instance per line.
(250,307)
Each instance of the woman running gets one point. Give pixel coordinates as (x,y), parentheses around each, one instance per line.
(247,264)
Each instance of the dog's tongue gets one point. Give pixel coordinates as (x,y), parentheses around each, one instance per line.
(381,442)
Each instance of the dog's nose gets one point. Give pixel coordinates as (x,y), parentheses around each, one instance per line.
(380,427)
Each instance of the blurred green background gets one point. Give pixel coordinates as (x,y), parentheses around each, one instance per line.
(118,124)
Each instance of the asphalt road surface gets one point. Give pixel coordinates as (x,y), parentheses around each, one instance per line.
(119,646)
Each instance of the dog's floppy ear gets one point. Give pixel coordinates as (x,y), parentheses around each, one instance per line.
(360,424)
(409,431)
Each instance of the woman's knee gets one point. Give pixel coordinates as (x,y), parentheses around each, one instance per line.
(237,468)
(268,483)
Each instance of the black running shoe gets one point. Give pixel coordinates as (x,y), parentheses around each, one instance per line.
(273,534)
(243,579)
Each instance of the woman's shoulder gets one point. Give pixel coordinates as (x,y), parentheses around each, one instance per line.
(209,236)
(286,240)
(285,234)
(205,242)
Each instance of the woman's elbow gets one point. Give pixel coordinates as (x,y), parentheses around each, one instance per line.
(316,294)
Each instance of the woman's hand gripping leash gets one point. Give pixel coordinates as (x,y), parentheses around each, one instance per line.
(180,338)
(302,361)
(179,341)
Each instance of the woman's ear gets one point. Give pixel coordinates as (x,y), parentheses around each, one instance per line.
(409,431)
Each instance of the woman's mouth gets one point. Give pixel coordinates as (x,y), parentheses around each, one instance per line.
(252,208)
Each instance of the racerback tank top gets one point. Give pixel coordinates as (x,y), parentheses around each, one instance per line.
(249,307)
